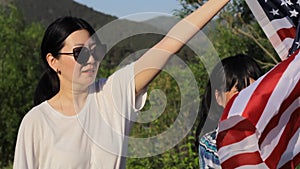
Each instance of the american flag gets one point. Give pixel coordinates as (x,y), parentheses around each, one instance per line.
(279,20)
(259,127)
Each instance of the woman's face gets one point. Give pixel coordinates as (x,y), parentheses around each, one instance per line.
(79,75)
(226,96)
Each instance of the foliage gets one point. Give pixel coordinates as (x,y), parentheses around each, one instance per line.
(19,72)
(236,31)
(182,155)
(239,31)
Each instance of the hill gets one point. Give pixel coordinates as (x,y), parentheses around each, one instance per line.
(45,11)
(124,37)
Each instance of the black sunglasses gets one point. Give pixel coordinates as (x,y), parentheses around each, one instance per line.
(82,54)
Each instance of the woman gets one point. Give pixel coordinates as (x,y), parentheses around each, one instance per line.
(228,77)
(79,123)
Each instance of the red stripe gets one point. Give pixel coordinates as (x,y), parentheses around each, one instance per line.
(289,131)
(287,33)
(242,159)
(285,104)
(292,163)
(262,93)
(237,133)
(253,111)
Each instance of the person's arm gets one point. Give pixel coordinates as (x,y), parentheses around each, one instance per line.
(150,64)
(26,146)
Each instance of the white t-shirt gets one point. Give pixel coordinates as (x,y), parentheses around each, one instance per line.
(95,138)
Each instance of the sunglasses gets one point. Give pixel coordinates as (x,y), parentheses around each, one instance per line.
(82,54)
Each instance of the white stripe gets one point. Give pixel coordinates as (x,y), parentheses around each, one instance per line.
(282,23)
(243,98)
(282,90)
(283,48)
(228,123)
(273,137)
(258,166)
(292,150)
(270,28)
(238,106)
(249,144)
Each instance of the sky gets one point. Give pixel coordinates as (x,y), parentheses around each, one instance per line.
(123,8)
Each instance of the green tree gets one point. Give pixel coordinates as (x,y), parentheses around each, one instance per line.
(182,155)
(236,31)
(19,71)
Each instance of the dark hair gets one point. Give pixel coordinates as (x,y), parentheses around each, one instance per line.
(235,70)
(53,42)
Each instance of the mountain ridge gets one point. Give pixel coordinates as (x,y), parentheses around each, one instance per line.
(124,37)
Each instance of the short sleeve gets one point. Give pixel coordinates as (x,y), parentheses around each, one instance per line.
(118,91)
(26,150)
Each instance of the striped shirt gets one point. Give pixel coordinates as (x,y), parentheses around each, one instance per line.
(208,157)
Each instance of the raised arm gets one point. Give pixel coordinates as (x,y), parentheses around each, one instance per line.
(151,63)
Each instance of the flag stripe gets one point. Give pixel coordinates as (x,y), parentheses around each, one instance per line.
(294,147)
(228,106)
(239,160)
(260,126)
(287,33)
(226,135)
(278,27)
(292,163)
(280,93)
(272,138)
(289,131)
(253,111)
(286,103)
(238,147)
(263,91)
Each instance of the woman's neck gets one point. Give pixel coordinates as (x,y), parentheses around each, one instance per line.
(69,101)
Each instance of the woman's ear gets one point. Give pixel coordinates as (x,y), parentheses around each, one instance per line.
(53,62)
(220,98)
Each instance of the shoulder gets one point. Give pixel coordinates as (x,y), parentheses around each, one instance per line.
(210,136)
(35,114)
(124,71)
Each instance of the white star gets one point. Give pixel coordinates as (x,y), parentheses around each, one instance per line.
(266,1)
(298,2)
(289,2)
(274,12)
(298,44)
(283,2)
(294,13)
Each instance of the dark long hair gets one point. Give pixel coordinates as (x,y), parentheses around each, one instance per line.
(235,70)
(53,42)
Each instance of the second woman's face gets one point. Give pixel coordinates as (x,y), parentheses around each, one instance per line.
(82,74)
(229,94)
